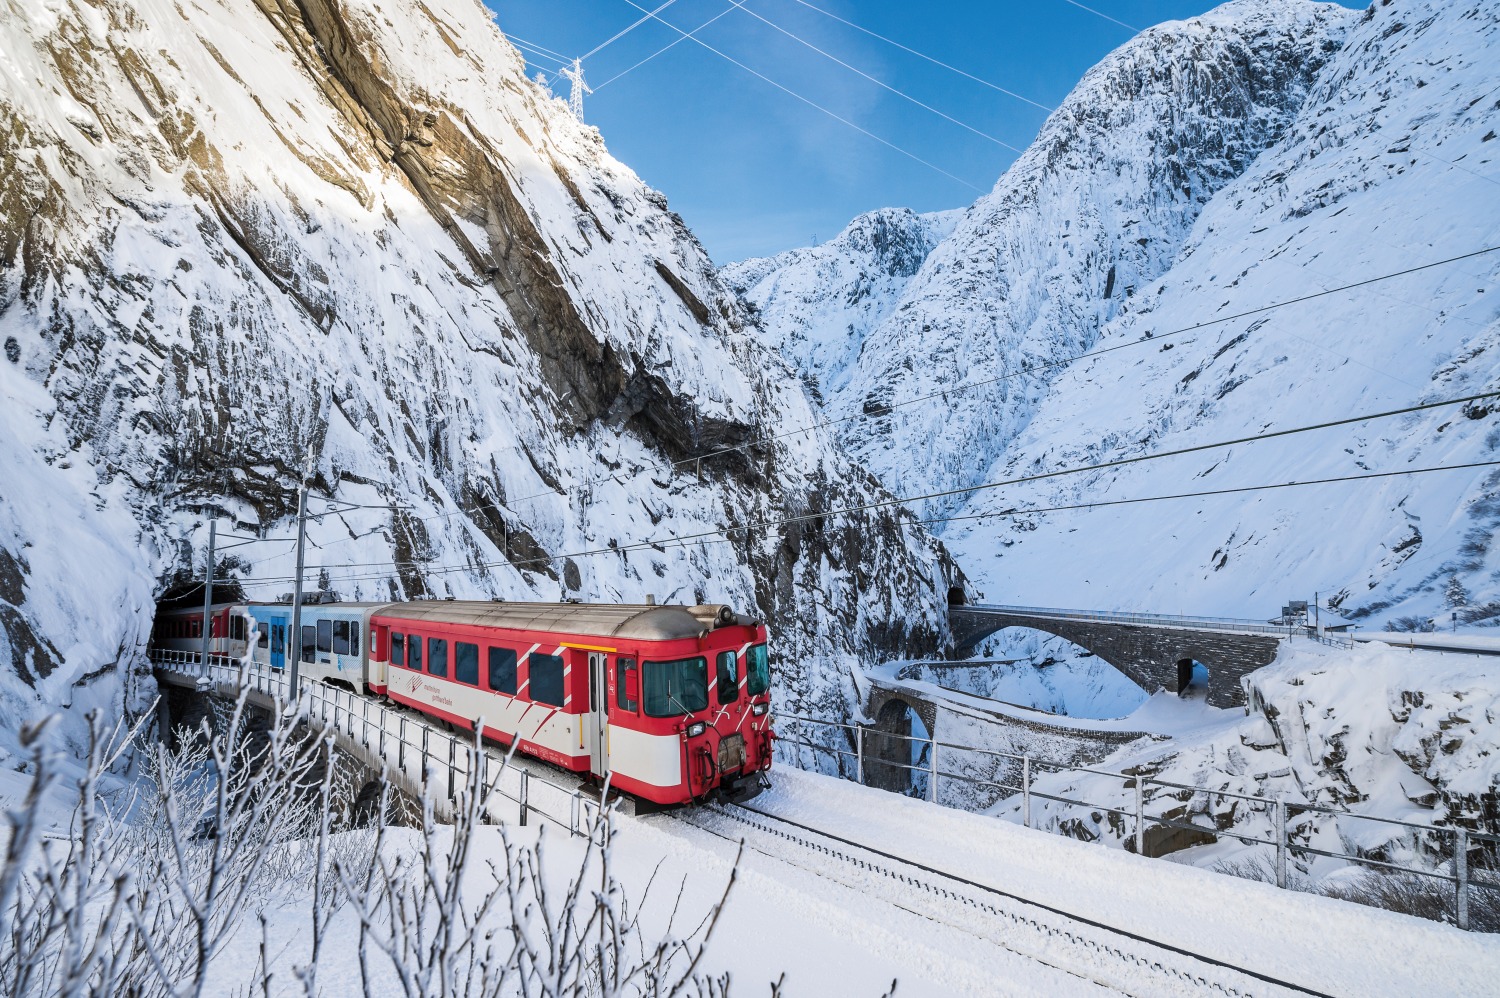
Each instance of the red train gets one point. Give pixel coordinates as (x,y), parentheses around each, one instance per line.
(671,702)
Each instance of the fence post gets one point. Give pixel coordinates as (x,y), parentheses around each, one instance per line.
(425,732)
(364,715)
(859,753)
(1140,815)
(382,734)
(452,764)
(1280,842)
(933,789)
(401,745)
(1461,872)
(525,794)
(482,760)
(573,815)
(1026,790)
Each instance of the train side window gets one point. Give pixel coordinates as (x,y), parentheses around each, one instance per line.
(398,648)
(309,643)
(466,663)
(547,679)
(263,639)
(414,651)
(675,688)
(502,669)
(354,630)
(237,628)
(437,656)
(758,670)
(325,634)
(197,628)
(627,684)
(341,637)
(728,674)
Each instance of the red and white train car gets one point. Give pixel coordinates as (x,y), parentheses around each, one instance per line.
(182,630)
(671,702)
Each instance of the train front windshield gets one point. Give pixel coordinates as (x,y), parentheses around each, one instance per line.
(758,670)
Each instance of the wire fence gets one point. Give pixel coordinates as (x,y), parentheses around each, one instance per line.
(428,762)
(1464,858)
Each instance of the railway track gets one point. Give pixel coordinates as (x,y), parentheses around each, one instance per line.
(1112,957)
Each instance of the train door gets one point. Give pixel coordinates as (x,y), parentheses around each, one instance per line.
(278,642)
(599,711)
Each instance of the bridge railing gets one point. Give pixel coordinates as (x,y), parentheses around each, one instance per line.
(1128,617)
(1279,812)
(437,764)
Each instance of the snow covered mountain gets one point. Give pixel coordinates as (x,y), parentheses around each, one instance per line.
(243,240)
(1099,205)
(1263,152)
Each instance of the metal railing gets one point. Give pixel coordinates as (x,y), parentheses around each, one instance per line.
(1126,617)
(435,762)
(1280,812)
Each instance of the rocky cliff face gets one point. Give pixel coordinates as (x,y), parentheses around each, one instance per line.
(1099,205)
(246,241)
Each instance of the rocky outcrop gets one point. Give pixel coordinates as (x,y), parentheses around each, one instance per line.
(350,241)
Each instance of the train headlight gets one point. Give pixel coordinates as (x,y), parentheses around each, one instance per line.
(759,709)
(696,728)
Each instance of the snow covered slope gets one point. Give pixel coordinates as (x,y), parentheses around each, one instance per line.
(244,239)
(1390,165)
(1260,153)
(819,304)
(1099,205)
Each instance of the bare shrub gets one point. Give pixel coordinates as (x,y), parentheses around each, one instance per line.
(149,887)
(1424,897)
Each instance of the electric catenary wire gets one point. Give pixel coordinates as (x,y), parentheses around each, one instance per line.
(725,531)
(809,102)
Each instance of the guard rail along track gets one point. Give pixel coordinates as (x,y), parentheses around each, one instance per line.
(415,757)
(1216,976)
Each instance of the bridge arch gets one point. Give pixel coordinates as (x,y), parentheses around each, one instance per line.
(889,742)
(1147,651)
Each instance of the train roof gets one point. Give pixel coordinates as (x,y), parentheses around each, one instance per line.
(604,620)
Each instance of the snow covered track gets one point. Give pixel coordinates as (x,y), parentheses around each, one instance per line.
(1113,957)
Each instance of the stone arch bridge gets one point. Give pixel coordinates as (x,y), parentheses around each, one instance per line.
(1155,651)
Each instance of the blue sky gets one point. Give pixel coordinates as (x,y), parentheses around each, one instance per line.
(753,169)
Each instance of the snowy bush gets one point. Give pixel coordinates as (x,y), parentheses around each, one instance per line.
(159,873)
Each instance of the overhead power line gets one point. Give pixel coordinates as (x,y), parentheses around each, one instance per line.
(945,394)
(726,531)
(621,34)
(923,55)
(741,4)
(811,103)
(552,53)
(1096,13)
(1236,490)
(670,45)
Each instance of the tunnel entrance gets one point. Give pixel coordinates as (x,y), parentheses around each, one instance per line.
(1192,679)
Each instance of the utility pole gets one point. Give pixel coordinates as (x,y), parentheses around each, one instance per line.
(295,651)
(208,592)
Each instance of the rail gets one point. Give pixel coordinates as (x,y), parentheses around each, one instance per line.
(1127,617)
(435,764)
(1280,812)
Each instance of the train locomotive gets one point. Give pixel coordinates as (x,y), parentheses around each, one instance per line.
(671,703)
